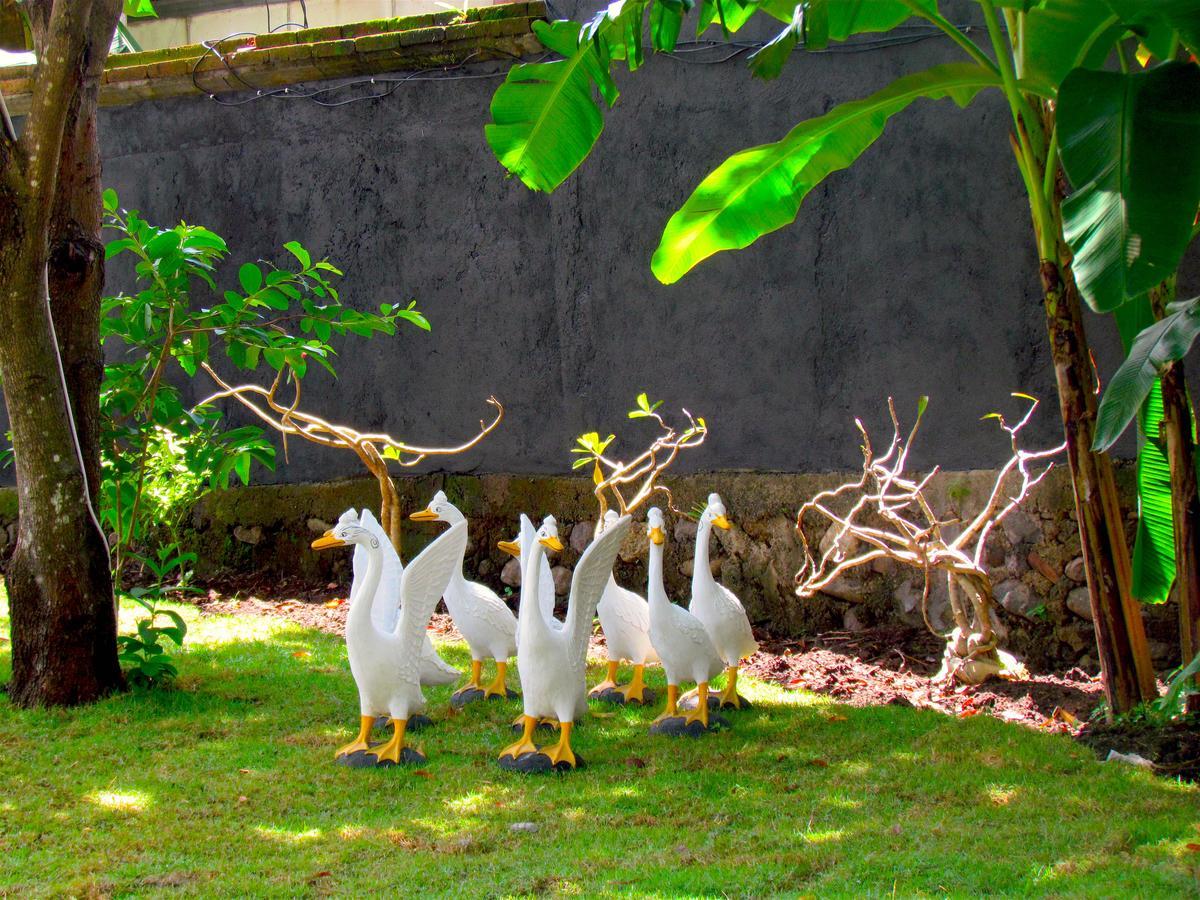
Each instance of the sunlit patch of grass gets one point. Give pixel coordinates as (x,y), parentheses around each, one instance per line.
(285,836)
(226,785)
(117,801)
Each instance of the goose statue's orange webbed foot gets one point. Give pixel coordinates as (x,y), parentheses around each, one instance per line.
(499,684)
(562,752)
(635,691)
(365,724)
(525,744)
(609,683)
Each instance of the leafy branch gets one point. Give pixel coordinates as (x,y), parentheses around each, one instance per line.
(626,485)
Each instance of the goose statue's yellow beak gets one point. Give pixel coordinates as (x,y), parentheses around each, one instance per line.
(512,548)
(722,523)
(551,543)
(327,541)
(424,515)
(657,536)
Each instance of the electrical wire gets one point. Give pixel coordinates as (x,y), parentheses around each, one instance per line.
(682,53)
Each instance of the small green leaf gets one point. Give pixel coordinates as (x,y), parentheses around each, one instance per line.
(109,198)
(297,250)
(250,277)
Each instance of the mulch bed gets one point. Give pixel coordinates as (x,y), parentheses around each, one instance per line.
(876,667)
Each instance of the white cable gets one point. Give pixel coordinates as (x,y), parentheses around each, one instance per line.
(62,375)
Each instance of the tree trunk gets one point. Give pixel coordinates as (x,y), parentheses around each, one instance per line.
(1177,431)
(1120,634)
(77,253)
(60,591)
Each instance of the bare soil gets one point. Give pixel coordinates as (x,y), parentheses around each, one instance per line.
(876,667)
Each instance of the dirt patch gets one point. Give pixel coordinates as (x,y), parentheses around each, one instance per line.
(892,665)
(878,667)
(1173,749)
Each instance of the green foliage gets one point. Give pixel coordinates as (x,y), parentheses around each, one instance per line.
(644,407)
(138,8)
(544,121)
(591,447)
(1157,345)
(146,658)
(160,454)
(1172,704)
(759,190)
(1131,146)
(1154,540)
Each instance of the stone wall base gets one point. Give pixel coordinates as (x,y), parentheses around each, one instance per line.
(1033,558)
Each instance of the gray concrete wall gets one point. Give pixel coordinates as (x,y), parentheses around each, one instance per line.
(912,273)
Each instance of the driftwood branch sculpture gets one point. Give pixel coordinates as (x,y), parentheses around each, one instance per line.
(887,516)
(373,449)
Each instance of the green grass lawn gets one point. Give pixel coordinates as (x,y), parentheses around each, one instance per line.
(226,785)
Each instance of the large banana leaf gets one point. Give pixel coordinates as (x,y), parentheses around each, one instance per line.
(544,119)
(1151,18)
(818,22)
(1062,34)
(1151,345)
(847,17)
(759,190)
(1131,147)
(1154,543)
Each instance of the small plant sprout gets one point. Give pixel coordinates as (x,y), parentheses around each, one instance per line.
(626,485)
(888,516)
(146,660)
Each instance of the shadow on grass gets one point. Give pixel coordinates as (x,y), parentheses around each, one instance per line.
(226,784)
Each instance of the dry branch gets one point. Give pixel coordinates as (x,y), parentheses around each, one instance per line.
(374,449)
(890,517)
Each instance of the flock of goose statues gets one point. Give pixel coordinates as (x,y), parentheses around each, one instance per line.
(392,658)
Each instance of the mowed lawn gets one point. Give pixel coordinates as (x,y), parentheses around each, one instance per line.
(226,785)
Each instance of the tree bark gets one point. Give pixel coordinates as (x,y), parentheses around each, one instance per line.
(1120,634)
(77,252)
(1177,430)
(60,591)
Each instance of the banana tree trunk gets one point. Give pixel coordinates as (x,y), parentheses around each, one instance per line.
(1177,431)
(1120,634)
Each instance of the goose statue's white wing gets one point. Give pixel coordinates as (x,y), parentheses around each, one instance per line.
(587,586)
(424,582)
(385,607)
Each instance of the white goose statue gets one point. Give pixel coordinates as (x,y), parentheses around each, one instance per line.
(387,664)
(680,638)
(716,606)
(552,661)
(625,621)
(385,607)
(485,622)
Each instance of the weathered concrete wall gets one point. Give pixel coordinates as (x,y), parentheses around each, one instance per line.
(911,273)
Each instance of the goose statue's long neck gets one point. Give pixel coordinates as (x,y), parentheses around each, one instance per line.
(655,592)
(452,517)
(358,619)
(529,614)
(701,573)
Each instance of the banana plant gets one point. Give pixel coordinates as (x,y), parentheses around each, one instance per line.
(543,134)
(1130,144)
